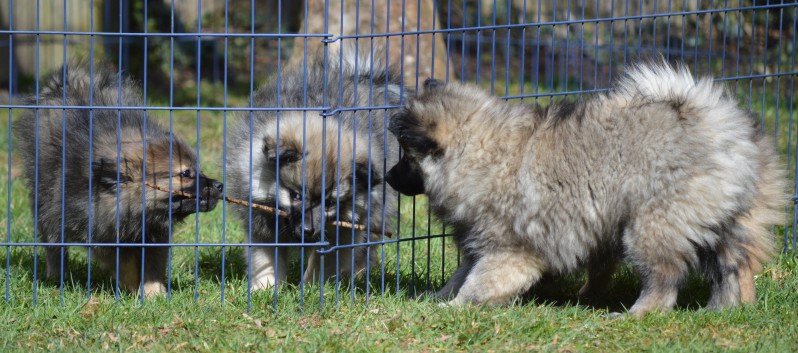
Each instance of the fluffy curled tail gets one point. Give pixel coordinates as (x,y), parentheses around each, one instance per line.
(660,81)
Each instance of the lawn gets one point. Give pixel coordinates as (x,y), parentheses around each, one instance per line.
(209,308)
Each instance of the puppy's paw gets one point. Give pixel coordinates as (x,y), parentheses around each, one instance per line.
(262,283)
(452,303)
(615,315)
(154,288)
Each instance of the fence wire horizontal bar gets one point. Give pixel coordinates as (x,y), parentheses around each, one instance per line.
(559,23)
(175,108)
(160,245)
(381,242)
(167,35)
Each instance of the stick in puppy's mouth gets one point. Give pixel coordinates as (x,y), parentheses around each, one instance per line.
(272,210)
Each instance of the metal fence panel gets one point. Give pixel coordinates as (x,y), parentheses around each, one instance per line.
(201,64)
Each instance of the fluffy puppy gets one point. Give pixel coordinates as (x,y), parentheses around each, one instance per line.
(664,170)
(316,169)
(86,169)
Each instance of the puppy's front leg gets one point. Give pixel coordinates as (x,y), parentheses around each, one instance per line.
(499,277)
(155,262)
(266,269)
(452,287)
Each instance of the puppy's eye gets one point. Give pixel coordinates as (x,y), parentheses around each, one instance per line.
(295,196)
(330,203)
(188,173)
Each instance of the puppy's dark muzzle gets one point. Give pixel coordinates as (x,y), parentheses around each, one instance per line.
(210,192)
(406,178)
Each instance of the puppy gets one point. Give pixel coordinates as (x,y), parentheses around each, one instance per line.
(86,169)
(663,170)
(316,169)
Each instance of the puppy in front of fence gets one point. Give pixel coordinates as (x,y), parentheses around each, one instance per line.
(90,180)
(281,160)
(663,170)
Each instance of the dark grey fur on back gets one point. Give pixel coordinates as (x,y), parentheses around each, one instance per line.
(77,192)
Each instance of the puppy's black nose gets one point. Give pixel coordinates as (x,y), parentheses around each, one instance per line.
(308,229)
(217,185)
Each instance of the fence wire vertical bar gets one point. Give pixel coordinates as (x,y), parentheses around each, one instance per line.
(36,160)
(492,53)
(197,166)
(249,193)
(790,143)
(324,166)
(369,165)
(695,38)
(277,153)
(668,32)
(723,52)
(171,148)
(224,150)
(144,163)
(765,66)
(612,36)
(354,150)
(567,45)
(402,83)
(91,155)
(11,76)
(118,147)
(61,249)
(640,31)
(304,160)
(710,29)
(595,45)
(385,133)
(338,163)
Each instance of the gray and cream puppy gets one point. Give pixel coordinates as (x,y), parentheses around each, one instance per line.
(664,170)
(317,169)
(90,185)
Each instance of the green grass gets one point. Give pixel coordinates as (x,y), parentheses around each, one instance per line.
(372,314)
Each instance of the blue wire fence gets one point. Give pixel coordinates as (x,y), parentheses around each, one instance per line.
(198,67)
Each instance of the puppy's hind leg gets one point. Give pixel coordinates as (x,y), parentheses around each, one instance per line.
(499,277)
(54,262)
(727,268)
(662,257)
(599,275)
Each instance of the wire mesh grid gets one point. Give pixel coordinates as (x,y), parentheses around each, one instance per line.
(199,68)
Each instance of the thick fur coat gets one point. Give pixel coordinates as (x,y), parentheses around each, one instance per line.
(96,172)
(317,169)
(664,170)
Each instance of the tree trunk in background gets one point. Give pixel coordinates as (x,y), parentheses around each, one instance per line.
(410,50)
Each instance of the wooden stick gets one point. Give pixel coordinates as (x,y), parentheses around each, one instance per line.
(270,210)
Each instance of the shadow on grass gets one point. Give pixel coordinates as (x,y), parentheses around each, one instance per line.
(619,297)
(559,292)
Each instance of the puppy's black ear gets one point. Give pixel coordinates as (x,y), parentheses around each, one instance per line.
(104,170)
(397,121)
(363,173)
(432,84)
(413,134)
